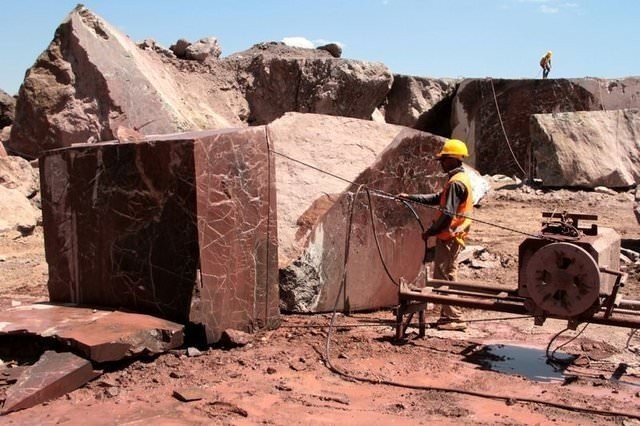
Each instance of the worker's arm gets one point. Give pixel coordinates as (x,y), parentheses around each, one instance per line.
(430,199)
(456,194)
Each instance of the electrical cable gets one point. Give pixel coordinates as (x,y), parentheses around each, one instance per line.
(375,234)
(551,359)
(504,132)
(347,245)
(326,356)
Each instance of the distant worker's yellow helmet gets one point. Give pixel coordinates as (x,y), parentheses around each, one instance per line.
(454,148)
(549,53)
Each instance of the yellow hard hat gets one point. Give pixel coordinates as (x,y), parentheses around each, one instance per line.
(549,53)
(454,148)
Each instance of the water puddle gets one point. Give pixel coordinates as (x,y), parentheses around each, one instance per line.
(523,361)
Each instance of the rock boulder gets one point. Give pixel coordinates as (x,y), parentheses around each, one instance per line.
(92,80)
(203,49)
(333,48)
(16,212)
(493,116)
(331,86)
(587,148)
(17,173)
(7,109)
(422,103)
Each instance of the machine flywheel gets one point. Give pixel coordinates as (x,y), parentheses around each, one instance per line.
(563,279)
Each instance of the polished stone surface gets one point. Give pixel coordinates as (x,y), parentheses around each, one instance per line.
(180,226)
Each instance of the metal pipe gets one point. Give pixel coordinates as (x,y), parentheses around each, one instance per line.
(633,305)
(432,282)
(611,271)
(516,306)
(625,312)
(500,306)
(512,291)
(474,294)
(615,321)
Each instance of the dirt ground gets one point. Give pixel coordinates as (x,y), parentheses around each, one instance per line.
(282,376)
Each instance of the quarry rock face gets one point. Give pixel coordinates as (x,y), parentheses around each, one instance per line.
(422,103)
(342,247)
(317,158)
(587,149)
(92,80)
(337,146)
(479,116)
(182,227)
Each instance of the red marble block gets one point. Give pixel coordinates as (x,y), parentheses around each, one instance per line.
(179,226)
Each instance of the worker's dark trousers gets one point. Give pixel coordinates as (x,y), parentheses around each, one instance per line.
(445,267)
(545,72)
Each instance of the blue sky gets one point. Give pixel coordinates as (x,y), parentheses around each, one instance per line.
(429,38)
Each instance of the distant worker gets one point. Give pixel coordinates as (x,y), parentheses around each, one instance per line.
(451,225)
(545,63)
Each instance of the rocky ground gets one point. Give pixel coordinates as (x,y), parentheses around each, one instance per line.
(282,376)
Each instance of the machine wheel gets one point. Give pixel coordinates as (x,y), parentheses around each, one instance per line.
(563,279)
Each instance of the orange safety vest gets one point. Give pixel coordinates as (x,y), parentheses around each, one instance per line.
(459,227)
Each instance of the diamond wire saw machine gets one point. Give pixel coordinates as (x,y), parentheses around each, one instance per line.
(565,272)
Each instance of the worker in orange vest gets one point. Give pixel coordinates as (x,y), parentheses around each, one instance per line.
(451,224)
(545,63)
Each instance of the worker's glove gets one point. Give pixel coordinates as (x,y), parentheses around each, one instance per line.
(428,233)
(403,196)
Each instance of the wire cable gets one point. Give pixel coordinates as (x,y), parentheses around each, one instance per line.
(551,359)
(384,194)
(504,132)
(508,398)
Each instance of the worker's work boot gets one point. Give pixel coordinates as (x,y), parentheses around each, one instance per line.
(448,324)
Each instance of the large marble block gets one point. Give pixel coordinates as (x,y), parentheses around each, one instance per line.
(179,226)
(341,267)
